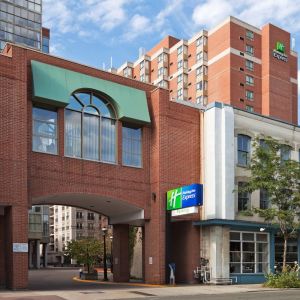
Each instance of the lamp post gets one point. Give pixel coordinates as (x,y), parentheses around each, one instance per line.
(111,255)
(104,230)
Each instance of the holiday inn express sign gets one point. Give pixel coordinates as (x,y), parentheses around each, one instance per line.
(186,196)
(279,52)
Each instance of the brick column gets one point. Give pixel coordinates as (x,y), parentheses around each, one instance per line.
(121,253)
(16,231)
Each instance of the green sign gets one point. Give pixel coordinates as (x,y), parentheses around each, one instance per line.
(174,199)
(185,196)
(280,47)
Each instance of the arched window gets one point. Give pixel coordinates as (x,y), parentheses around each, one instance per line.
(90,128)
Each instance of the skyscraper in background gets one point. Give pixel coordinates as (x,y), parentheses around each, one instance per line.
(21,23)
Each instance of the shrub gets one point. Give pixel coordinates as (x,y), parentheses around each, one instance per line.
(288,278)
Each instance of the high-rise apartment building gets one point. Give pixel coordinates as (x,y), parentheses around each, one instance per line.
(21,23)
(230,63)
(70,223)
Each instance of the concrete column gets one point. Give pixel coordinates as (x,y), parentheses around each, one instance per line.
(38,255)
(219,251)
(121,253)
(45,255)
(30,254)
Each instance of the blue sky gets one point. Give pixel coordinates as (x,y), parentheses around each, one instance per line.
(93,31)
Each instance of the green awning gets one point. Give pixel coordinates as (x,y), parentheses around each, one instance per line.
(54,85)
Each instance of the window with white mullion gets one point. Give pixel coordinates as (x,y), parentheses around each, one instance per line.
(249,252)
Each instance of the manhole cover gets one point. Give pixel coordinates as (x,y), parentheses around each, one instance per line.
(141,293)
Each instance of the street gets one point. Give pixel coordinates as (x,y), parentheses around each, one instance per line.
(59,284)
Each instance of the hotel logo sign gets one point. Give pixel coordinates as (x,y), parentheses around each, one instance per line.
(279,52)
(186,196)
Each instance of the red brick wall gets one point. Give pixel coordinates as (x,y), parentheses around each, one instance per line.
(171,140)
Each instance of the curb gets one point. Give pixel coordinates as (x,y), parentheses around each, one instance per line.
(119,283)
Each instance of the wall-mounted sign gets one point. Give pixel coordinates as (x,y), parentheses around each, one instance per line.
(279,52)
(184,211)
(186,196)
(20,247)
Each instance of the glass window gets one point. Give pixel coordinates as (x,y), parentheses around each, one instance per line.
(132,146)
(179,50)
(199,86)
(44,133)
(249,50)
(90,128)
(292,251)
(179,78)
(180,64)
(285,152)
(199,41)
(249,95)
(179,92)
(249,108)
(264,199)
(243,198)
(250,35)
(244,142)
(249,80)
(248,252)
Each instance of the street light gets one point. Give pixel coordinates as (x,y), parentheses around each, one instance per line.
(111,254)
(104,231)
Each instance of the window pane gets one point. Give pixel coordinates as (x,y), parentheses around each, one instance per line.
(248,236)
(248,267)
(72,133)
(248,247)
(44,130)
(235,268)
(235,246)
(84,98)
(90,146)
(248,257)
(74,104)
(101,105)
(235,256)
(261,237)
(131,146)
(108,140)
(234,236)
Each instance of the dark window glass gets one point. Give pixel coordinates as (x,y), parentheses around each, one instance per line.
(243,149)
(243,198)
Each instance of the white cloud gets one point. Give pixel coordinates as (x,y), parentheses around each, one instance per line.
(285,13)
(138,25)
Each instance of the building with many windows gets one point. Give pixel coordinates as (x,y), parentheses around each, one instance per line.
(21,23)
(70,223)
(229,63)
(77,136)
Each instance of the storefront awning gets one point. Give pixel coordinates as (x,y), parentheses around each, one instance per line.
(235,224)
(54,85)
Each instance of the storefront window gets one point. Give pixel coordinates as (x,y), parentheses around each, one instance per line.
(248,252)
(292,251)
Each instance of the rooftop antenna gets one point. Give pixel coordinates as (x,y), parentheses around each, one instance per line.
(103,66)
(111,62)
(293,43)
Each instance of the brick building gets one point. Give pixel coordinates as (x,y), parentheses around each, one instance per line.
(77,136)
(43,163)
(230,63)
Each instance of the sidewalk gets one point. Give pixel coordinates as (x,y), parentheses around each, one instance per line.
(138,292)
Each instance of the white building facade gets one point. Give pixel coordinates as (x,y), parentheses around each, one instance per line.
(240,247)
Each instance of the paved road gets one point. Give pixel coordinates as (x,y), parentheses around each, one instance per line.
(62,280)
(59,285)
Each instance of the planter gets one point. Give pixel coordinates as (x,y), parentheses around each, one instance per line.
(89,276)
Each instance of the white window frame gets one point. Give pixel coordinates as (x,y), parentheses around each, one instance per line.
(256,260)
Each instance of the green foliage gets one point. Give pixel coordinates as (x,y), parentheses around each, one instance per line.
(85,251)
(132,241)
(281,180)
(289,278)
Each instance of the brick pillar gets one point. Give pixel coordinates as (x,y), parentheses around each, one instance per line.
(154,259)
(16,231)
(121,253)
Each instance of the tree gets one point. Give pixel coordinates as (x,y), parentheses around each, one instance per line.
(279,176)
(85,251)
